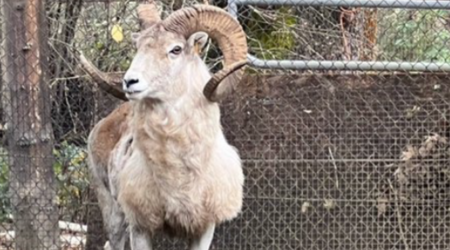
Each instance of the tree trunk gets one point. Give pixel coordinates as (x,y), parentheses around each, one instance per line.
(29,131)
(369,50)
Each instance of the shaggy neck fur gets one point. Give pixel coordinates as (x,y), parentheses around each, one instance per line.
(175,135)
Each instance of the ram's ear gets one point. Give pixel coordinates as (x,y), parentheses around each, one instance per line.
(197,41)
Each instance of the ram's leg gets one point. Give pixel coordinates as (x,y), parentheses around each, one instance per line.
(139,240)
(204,241)
(114,220)
(113,217)
(117,228)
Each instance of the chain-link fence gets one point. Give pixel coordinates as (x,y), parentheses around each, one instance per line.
(351,35)
(332,159)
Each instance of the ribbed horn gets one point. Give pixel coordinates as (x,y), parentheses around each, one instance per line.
(228,33)
(109,82)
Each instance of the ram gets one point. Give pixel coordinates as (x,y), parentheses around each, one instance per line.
(160,162)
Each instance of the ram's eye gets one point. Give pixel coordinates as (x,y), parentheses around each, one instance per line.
(176,50)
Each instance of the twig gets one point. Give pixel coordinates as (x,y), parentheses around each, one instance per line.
(206,51)
(217,62)
(344,38)
(399,216)
(265,16)
(58,79)
(335,167)
(69,108)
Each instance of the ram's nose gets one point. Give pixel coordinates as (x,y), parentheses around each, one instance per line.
(127,82)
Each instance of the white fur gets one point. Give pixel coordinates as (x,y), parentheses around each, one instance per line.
(179,170)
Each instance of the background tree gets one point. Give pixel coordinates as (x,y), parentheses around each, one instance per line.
(26,104)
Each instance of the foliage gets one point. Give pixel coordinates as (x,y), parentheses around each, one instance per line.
(72,179)
(411,35)
(110,50)
(72,182)
(276,39)
(5,207)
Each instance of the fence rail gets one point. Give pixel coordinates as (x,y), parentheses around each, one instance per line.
(413,4)
(347,65)
(354,65)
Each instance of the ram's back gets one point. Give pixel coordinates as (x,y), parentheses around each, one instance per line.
(104,137)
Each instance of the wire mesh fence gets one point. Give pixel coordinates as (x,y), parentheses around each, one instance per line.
(390,35)
(332,159)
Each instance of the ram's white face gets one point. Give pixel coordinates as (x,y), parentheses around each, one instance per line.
(160,60)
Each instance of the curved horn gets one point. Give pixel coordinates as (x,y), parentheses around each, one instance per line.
(229,35)
(108,82)
(148,14)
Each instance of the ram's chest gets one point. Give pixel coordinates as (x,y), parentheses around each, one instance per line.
(150,192)
(173,149)
(164,174)
(169,164)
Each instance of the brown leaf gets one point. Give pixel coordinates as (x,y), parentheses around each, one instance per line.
(410,153)
(401,177)
(381,206)
(329,204)
(305,207)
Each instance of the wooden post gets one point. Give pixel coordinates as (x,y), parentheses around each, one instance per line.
(27,104)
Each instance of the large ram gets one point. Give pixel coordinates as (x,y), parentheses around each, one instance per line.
(160,162)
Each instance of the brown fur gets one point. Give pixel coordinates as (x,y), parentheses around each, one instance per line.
(108,132)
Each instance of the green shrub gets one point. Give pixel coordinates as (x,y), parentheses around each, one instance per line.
(272,39)
(5,207)
(71,177)
(415,35)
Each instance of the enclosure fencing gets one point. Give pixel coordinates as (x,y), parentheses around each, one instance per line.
(367,37)
(342,121)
